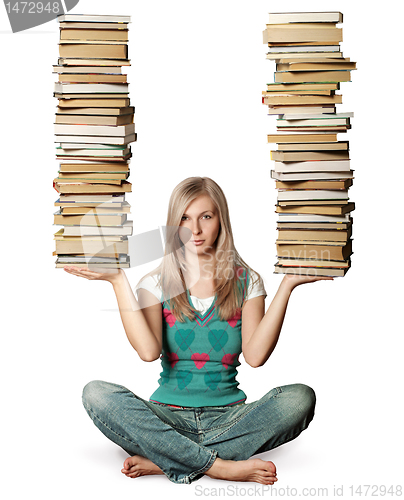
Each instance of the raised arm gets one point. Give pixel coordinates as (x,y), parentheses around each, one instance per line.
(260,332)
(142,320)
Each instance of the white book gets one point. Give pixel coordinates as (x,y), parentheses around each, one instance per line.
(95,139)
(94,260)
(88,162)
(85,197)
(312,122)
(303,55)
(284,49)
(310,116)
(88,69)
(311,176)
(91,88)
(281,110)
(83,145)
(87,18)
(92,152)
(125,230)
(107,130)
(315,194)
(312,218)
(305,17)
(313,166)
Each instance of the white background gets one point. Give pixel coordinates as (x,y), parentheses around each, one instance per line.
(198,69)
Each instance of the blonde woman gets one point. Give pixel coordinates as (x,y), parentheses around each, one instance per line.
(197,312)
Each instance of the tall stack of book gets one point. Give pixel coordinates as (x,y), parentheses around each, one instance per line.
(312,167)
(93,128)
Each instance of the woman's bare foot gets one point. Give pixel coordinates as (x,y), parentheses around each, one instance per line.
(256,470)
(137,466)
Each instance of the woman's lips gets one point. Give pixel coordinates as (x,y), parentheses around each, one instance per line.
(197,242)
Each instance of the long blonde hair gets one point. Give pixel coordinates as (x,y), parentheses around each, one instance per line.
(228,289)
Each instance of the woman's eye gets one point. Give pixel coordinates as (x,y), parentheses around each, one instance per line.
(183,218)
(208,216)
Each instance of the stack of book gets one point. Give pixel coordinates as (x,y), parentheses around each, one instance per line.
(93,131)
(311,166)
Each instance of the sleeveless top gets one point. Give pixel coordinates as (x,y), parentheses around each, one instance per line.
(199,357)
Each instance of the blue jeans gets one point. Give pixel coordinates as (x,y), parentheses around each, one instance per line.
(184,442)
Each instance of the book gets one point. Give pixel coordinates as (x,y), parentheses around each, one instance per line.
(312,122)
(93,25)
(313,166)
(302,137)
(281,110)
(126,229)
(287,87)
(92,166)
(93,119)
(317,209)
(310,271)
(97,102)
(335,226)
(84,187)
(129,110)
(300,156)
(98,70)
(91,264)
(93,18)
(278,34)
(316,65)
(332,184)
(311,176)
(99,209)
(89,219)
(85,140)
(91,78)
(63,180)
(278,56)
(118,198)
(309,116)
(97,247)
(98,154)
(94,51)
(96,62)
(305,17)
(74,129)
(93,34)
(309,194)
(313,218)
(90,88)
(312,76)
(308,50)
(287,100)
(318,250)
(314,235)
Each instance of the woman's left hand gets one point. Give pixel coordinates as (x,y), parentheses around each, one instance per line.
(293,280)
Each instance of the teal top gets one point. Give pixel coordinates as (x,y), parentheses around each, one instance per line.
(199,357)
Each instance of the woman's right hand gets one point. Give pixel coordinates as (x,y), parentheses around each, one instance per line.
(111,275)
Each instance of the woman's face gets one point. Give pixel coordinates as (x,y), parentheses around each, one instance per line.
(202,219)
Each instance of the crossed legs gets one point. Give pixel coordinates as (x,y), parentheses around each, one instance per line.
(159,441)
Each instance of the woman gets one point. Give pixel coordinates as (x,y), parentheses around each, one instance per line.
(198,311)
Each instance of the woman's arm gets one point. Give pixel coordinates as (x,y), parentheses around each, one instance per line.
(141,320)
(260,332)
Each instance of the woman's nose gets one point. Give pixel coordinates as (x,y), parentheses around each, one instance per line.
(196,228)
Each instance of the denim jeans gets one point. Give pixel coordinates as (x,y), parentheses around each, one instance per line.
(184,442)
